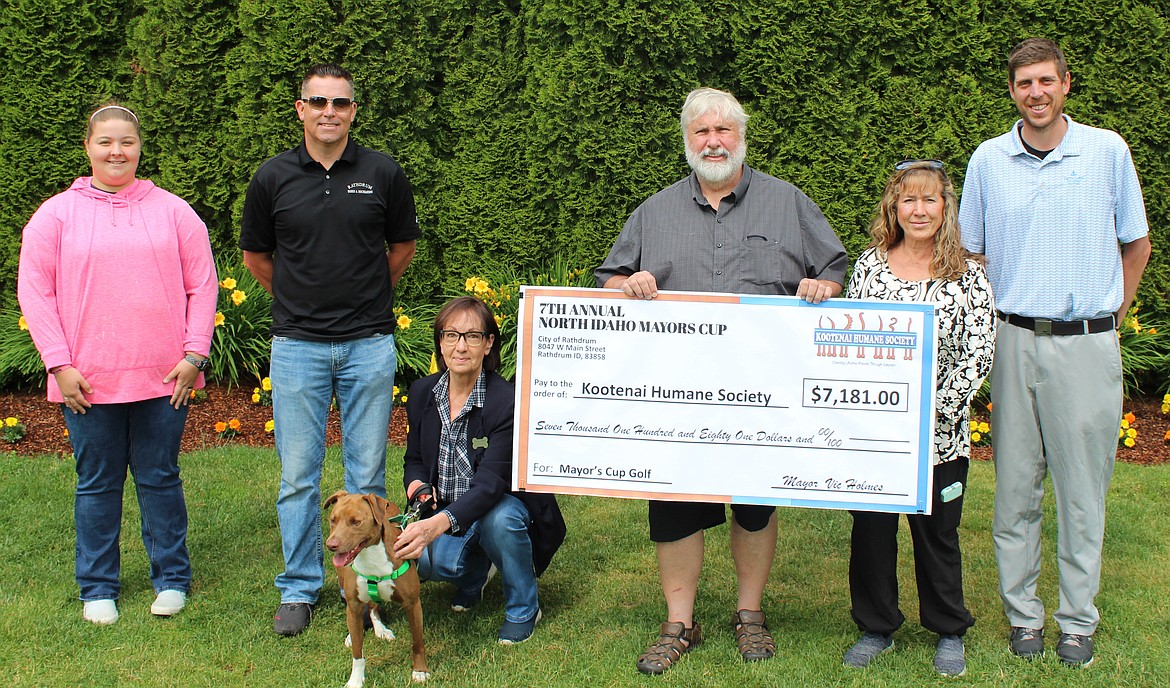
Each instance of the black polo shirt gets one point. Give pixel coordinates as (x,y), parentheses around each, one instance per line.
(328,231)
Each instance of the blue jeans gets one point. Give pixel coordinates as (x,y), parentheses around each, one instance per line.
(305,377)
(144,437)
(500,538)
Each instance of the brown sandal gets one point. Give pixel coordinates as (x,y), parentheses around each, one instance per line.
(674,640)
(752,636)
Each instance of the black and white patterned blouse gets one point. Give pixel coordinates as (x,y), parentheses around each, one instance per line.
(966,338)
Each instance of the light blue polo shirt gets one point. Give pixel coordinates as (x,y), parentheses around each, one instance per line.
(1050,228)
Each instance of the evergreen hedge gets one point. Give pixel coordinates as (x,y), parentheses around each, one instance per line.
(531,129)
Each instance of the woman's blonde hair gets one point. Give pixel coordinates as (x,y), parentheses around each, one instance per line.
(950,258)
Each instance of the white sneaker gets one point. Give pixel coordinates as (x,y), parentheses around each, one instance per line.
(103,612)
(169,603)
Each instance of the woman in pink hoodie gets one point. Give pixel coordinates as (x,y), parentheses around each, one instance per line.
(118,286)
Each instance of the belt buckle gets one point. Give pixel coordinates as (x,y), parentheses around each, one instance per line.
(1043,327)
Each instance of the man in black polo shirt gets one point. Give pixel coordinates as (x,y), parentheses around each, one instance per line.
(328,228)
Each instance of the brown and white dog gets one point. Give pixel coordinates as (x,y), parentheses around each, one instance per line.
(361,536)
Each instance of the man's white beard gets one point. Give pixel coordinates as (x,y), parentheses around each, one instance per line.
(716,172)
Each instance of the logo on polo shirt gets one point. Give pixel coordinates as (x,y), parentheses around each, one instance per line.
(359,188)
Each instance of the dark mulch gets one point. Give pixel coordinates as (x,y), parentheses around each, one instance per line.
(46,429)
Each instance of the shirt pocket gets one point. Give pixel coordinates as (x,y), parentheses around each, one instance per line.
(760,265)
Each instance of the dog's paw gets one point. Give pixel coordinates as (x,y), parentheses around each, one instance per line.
(354,684)
(420,676)
(384,633)
(348,642)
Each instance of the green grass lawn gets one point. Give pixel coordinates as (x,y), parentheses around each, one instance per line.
(601,599)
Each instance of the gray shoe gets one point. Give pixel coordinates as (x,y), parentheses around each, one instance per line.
(949,658)
(867,649)
(1075,650)
(1027,642)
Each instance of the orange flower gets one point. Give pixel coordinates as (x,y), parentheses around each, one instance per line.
(1130,418)
(234,423)
(220,426)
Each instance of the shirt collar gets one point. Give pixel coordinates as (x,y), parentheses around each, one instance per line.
(1069,145)
(734,196)
(349,155)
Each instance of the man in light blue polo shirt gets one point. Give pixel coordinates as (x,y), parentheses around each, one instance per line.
(1057,208)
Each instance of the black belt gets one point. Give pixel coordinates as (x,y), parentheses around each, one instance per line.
(1044,327)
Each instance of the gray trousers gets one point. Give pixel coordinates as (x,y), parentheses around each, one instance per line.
(1056,406)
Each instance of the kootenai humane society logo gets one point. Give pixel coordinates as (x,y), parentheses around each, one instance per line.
(893,332)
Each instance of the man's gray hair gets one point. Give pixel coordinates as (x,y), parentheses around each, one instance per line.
(702,101)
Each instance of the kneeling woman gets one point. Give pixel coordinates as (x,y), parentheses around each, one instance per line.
(458,464)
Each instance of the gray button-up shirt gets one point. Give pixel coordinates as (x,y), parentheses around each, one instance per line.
(765,237)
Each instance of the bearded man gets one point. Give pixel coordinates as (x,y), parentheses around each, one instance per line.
(724,228)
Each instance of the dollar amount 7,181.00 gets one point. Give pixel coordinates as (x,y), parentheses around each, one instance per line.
(858,395)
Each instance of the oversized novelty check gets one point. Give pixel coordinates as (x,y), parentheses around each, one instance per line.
(725,398)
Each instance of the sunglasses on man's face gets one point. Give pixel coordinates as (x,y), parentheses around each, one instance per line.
(321,102)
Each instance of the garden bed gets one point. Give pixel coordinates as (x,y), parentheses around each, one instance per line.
(46,428)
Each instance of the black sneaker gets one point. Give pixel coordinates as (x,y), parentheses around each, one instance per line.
(292,618)
(1027,642)
(464,600)
(1075,650)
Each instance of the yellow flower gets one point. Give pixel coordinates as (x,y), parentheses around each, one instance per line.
(469,285)
(256,397)
(984,427)
(395,392)
(1165,409)
(1129,417)
(1124,423)
(22,323)
(481,286)
(434,368)
(238,297)
(192,395)
(1131,433)
(234,423)
(10,422)
(403,322)
(1152,330)
(975,436)
(228,283)
(220,426)
(270,426)
(403,399)
(1129,442)
(1121,432)
(219,318)
(266,384)
(499,320)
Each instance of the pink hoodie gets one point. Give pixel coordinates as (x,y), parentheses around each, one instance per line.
(118,285)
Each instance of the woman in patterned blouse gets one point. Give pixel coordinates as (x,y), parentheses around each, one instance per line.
(916,255)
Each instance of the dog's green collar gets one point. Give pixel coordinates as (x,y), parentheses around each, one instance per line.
(372,581)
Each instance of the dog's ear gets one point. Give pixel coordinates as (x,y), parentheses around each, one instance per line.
(332,499)
(378,506)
